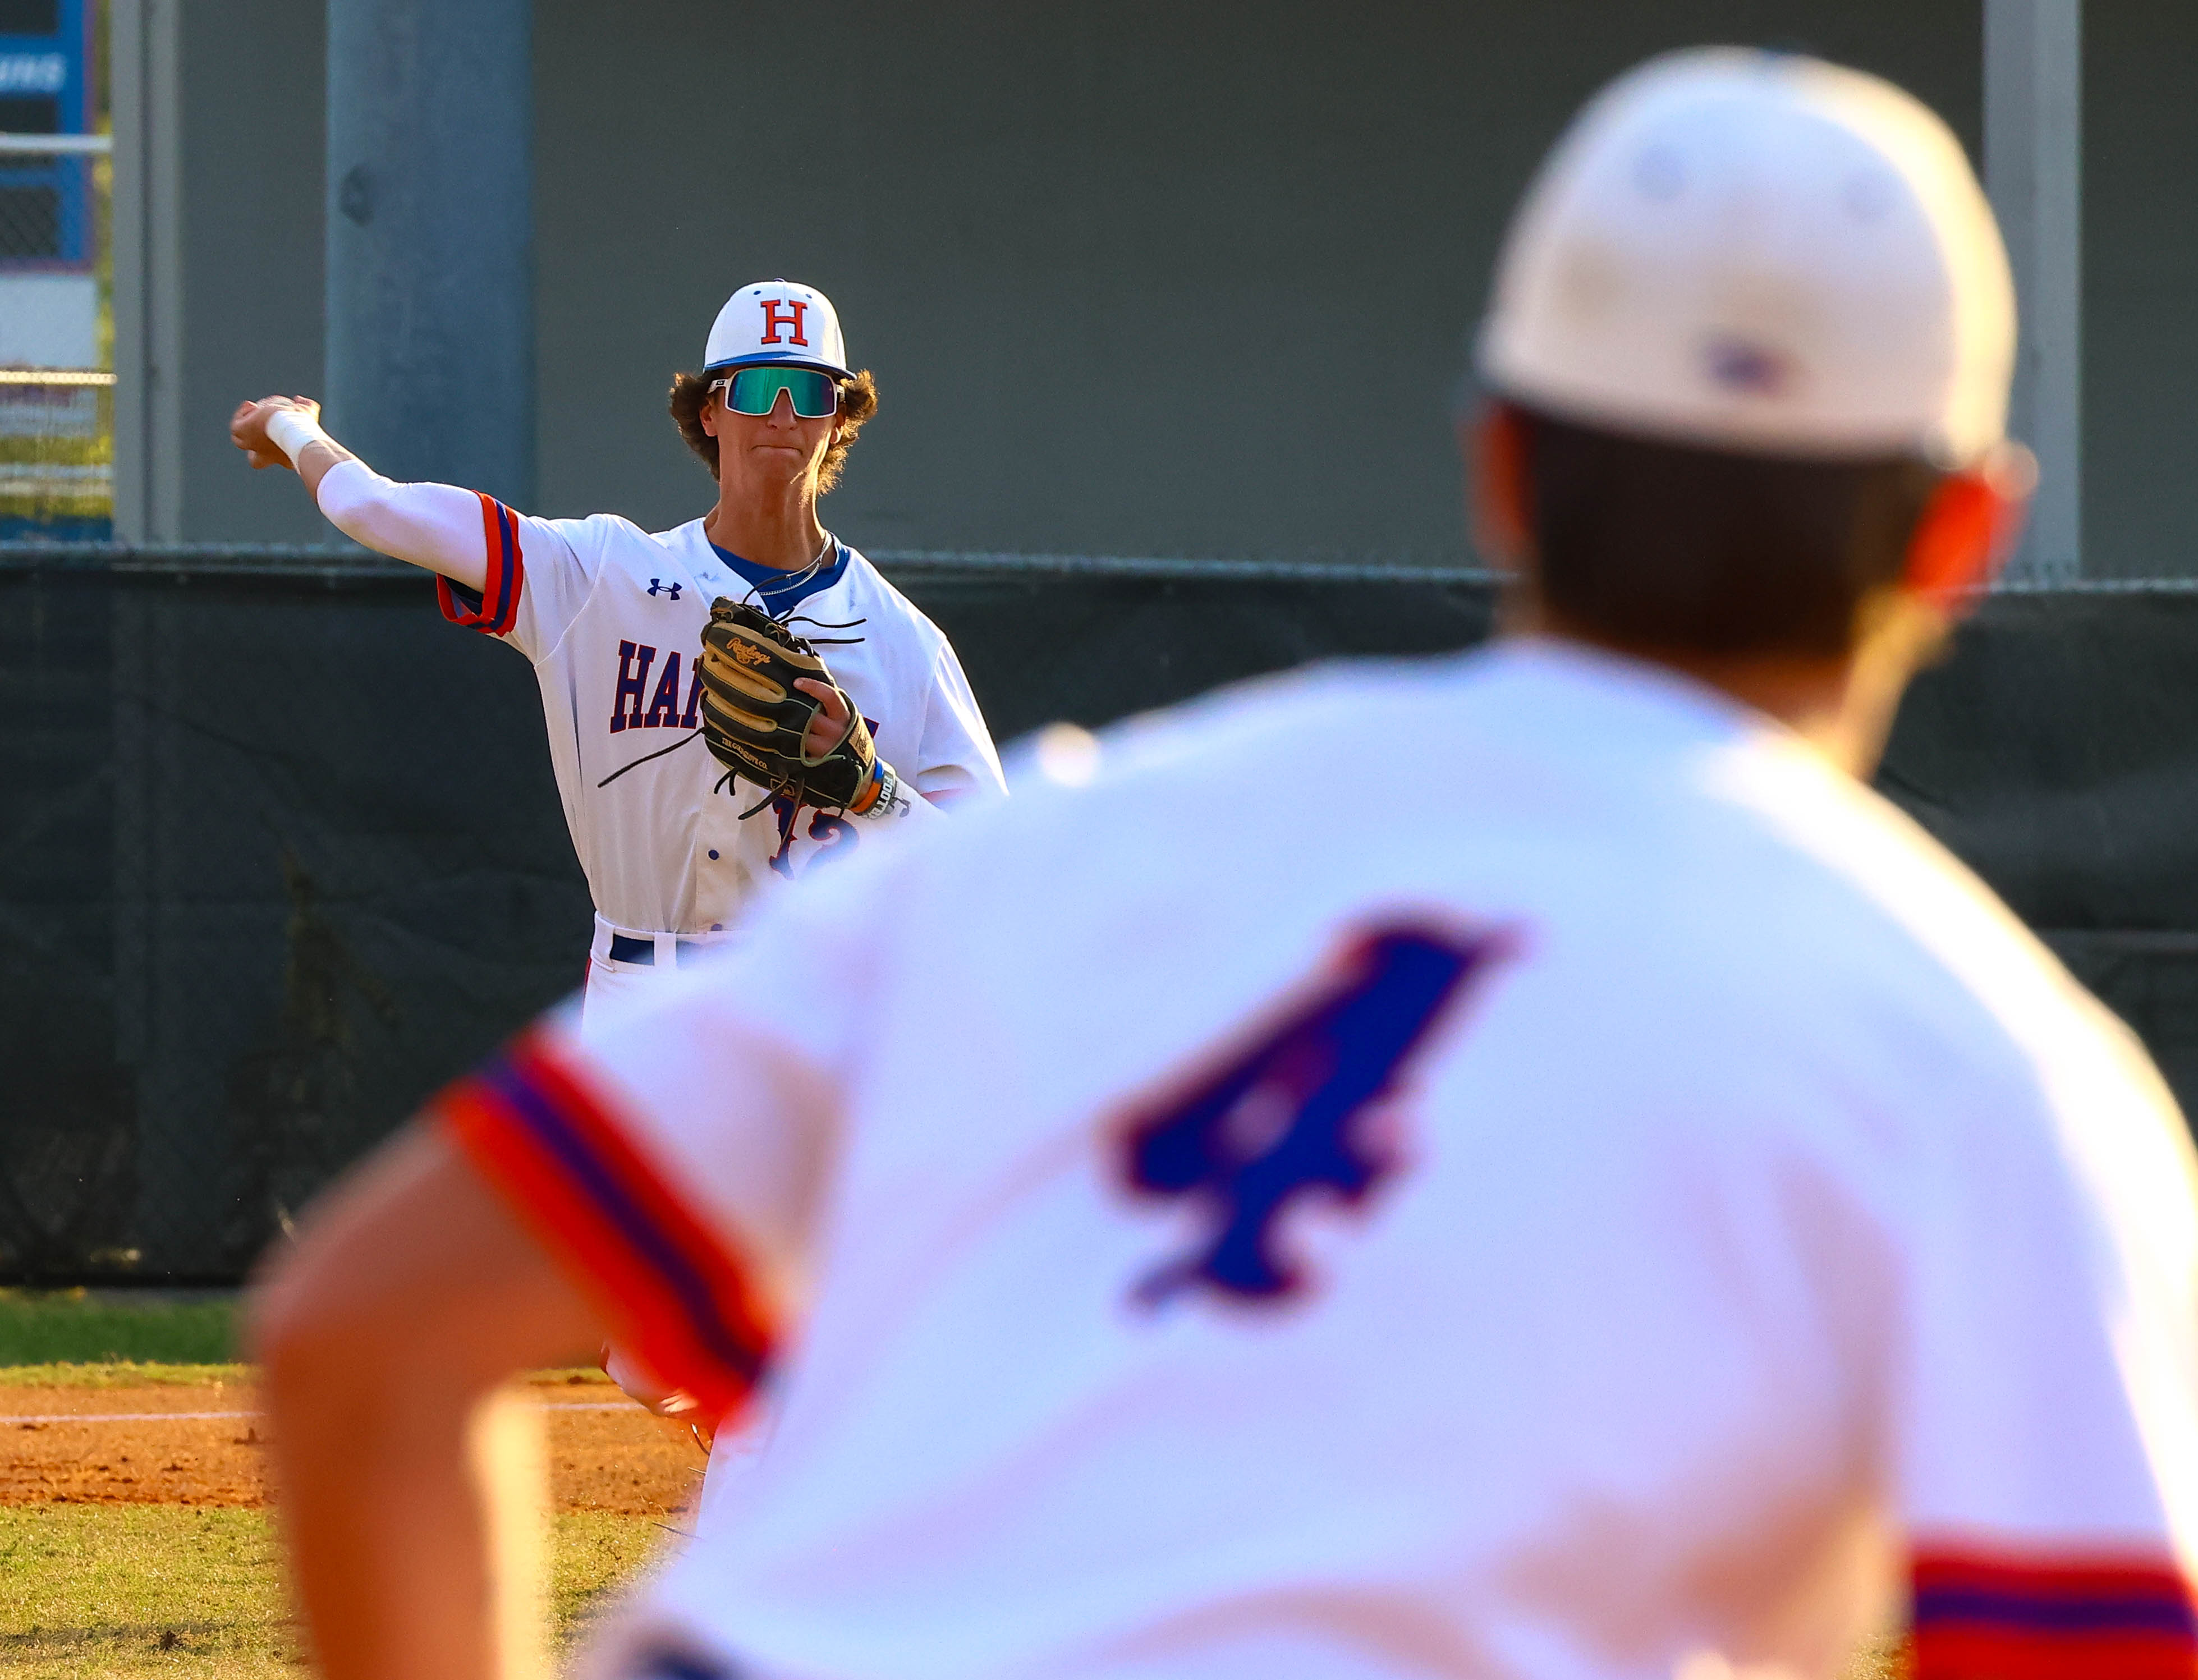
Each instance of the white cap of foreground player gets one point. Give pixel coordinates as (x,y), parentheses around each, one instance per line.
(1760,251)
(779,322)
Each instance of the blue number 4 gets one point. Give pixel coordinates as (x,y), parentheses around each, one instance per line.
(1298,1111)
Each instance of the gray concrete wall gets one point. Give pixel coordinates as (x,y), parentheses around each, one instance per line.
(1136,278)
(2140,288)
(252,73)
(429,325)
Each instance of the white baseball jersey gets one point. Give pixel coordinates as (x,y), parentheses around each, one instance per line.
(1622,1211)
(611,617)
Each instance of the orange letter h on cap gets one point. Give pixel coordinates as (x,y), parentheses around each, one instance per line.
(772,320)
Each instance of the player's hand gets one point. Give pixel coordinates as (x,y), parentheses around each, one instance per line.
(829,726)
(248,428)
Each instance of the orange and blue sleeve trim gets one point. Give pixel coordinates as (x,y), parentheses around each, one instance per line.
(495,609)
(1980,1618)
(670,1287)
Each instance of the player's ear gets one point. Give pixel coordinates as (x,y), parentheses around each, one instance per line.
(1494,443)
(1969,527)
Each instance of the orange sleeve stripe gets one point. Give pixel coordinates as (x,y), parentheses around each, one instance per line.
(495,609)
(1993,1617)
(671,1288)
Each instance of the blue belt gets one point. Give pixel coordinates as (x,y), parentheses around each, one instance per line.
(624,950)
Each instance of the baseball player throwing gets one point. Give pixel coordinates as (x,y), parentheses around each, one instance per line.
(650,648)
(698,755)
(1633,1209)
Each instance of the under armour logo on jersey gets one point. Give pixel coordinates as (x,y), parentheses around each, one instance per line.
(1303,1111)
(772,320)
(671,588)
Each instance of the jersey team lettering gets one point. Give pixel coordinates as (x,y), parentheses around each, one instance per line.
(663,709)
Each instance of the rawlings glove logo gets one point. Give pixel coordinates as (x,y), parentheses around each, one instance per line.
(754,720)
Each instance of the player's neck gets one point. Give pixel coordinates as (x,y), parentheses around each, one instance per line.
(1842,705)
(1831,703)
(778,530)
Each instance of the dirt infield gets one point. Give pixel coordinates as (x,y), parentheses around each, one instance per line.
(205,1446)
(94,1581)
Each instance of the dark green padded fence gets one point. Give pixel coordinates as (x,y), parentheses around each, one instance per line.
(280,852)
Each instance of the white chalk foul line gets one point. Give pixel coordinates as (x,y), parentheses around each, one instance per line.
(120,1418)
(7,1418)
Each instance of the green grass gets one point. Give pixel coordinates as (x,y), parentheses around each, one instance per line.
(127,1591)
(116,1338)
(594,1552)
(131,1590)
(121,1374)
(46,1327)
(62,500)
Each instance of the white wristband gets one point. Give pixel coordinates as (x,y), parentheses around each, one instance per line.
(291,429)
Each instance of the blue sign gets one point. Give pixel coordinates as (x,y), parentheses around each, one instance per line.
(46,202)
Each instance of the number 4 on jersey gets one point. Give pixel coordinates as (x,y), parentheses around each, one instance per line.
(1298,1111)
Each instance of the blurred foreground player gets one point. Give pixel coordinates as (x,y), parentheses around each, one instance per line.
(1618,1213)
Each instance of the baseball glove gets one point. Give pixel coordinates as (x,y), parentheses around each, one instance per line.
(754,717)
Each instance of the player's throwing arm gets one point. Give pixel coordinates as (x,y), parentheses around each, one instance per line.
(434,525)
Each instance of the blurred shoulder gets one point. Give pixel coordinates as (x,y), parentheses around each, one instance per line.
(1276,711)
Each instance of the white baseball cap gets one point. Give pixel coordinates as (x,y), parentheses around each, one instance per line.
(1761,252)
(781,323)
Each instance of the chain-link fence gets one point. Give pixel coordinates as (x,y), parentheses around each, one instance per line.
(280,852)
(57,337)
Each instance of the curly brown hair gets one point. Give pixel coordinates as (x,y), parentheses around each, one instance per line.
(859,401)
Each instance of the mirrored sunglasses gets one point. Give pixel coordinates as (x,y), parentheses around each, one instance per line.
(754,391)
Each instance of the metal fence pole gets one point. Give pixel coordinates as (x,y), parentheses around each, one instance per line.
(148,262)
(2034,168)
(430,239)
